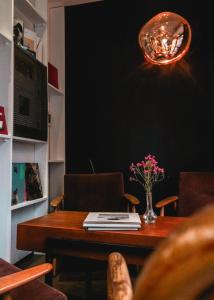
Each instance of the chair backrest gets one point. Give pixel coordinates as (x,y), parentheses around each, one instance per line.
(182,267)
(196,189)
(97,192)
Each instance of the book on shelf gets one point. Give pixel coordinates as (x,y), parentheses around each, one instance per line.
(18,183)
(3,124)
(53,75)
(33,181)
(112,221)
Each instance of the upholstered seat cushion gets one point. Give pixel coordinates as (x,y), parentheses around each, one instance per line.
(35,290)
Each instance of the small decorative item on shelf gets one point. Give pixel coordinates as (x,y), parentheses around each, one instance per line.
(3,124)
(147,173)
(49,119)
(18,32)
(31,40)
(53,75)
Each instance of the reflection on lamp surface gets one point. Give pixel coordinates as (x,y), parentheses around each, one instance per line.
(165,38)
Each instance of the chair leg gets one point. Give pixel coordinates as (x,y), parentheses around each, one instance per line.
(49,258)
(5,297)
(54,267)
(162,211)
(88,284)
(49,276)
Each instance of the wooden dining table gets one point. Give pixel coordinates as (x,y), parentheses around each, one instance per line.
(62,232)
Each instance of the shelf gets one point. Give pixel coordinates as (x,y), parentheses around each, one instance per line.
(53,91)
(4,137)
(4,40)
(25,140)
(28,203)
(28,10)
(56,161)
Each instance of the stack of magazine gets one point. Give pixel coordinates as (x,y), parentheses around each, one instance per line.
(112,221)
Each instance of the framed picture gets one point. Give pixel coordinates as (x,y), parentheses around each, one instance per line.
(3,124)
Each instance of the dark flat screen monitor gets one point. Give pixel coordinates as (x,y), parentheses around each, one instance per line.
(30,96)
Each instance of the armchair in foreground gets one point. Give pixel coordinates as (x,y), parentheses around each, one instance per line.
(182,267)
(16,284)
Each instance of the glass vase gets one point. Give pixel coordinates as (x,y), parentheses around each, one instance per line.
(149,215)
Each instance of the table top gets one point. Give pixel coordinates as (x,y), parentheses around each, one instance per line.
(31,235)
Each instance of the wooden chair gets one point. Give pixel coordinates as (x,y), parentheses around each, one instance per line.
(196,189)
(91,192)
(182,267)
(16,284)
(95,192)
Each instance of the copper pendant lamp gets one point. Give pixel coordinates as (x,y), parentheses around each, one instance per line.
(165,38)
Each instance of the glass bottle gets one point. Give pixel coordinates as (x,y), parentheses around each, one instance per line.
(149,215)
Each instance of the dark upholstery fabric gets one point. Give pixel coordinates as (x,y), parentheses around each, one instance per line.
(91,192)
(97,192)
(35,290)
(196,189)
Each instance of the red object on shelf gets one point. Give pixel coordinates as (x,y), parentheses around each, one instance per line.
(3,124)
(53,75)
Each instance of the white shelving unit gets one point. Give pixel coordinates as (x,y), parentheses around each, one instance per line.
(12,148)
(4,137)
(28,203)
(56,57)
(4,40)
(5,22)
(27,9)
(59,161)
(26,140)
(6,100)
(53,91)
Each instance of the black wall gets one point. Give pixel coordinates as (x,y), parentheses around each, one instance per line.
(119,109)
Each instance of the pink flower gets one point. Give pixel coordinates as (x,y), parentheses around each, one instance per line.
(147,172)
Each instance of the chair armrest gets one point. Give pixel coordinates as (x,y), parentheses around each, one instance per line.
(161,204)
(119,284)
(14,280)
(56,202)
(132,200)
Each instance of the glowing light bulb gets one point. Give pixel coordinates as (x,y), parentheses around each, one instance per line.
(165,38)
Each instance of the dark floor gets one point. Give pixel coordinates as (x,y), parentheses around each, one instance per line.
(73,283)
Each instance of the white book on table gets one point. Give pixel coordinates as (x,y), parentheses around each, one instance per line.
(112,220)
(111,228)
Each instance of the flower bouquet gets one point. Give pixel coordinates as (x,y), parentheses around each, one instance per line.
(147,173)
